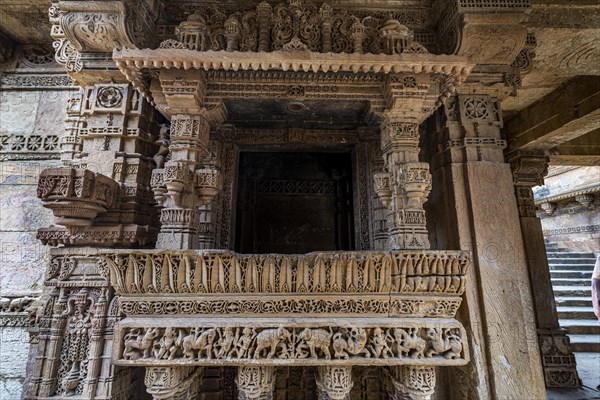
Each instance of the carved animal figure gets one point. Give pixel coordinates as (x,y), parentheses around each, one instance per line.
(136,342)
(19,304)
(353,345)
(169,344)
(317,339)
(4,303)
(202,342)
(444,342)
(271,339)
(409,343)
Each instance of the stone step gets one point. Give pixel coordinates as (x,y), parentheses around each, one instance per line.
(571,267)
(568,254)
(566,301)
(561,274)
(580,326)
(585,343)
(565,260)
(572,291)
(570,282)
(575,312)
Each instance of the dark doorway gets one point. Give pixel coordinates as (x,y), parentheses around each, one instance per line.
(294,202)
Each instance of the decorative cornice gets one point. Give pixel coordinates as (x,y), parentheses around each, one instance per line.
(568,195)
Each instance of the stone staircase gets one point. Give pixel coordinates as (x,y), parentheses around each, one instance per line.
(571,275)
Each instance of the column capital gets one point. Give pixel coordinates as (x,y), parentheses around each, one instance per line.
(255,383)
(170,383)
(334,383)
(528,166)
(410,382)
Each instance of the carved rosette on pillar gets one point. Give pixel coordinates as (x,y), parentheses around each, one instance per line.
(184,185)
(405,186)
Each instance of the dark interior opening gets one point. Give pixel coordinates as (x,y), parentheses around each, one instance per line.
(294,202)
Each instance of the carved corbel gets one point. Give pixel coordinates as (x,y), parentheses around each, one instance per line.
(483,31)
(529,168)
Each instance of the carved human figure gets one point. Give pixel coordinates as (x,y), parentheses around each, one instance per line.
(226,342)
(378,345)
(169,343)
(241,344)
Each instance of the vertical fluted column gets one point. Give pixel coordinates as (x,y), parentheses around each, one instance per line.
(256,383)
(173,383)
(405,185)
(558,362)
(410,382)
(334,383)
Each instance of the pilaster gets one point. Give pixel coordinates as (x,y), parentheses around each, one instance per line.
(529,168)
(334,383)
(255,383)
(477,211)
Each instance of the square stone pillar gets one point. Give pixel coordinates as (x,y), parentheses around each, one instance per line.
(560,370)
(475,209)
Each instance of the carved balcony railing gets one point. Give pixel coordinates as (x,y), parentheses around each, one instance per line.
(330,308)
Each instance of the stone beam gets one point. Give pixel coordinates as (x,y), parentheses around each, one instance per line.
(568,112)
(584,150)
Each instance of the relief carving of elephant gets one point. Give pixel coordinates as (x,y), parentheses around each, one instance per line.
(317,339)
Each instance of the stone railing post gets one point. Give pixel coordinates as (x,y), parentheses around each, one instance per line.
(529,168)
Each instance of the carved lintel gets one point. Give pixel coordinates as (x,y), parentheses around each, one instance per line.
(334,383)
(410,382)
(255,383)
(172,383)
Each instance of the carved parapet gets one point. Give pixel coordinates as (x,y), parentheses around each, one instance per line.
(76,196)
(17,311)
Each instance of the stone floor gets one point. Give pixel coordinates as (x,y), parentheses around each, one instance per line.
(588,366)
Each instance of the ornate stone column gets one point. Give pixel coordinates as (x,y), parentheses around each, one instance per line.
(255,382)
(475,209)
(184,185)
(173,383)
(410,382)
(529,168)
(334,383)
(408,184)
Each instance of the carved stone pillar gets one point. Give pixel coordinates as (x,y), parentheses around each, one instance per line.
(184,185)
(172,383)
(405,186)
(410,383)
(529,168)
(334,383)
(475,209)
(255,383)
(264,11)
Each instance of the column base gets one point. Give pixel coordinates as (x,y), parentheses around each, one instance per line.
(558,361)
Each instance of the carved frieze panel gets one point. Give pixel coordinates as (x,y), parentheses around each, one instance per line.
(330,272)
(280,342)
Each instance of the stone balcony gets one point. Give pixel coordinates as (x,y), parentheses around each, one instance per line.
(202,308)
